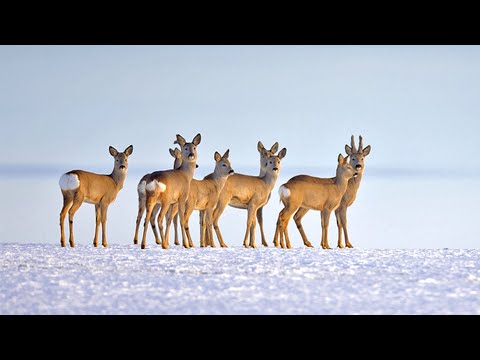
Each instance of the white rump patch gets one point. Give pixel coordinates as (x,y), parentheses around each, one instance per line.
(151,186)
(141,187)
(69,182)
(283,192)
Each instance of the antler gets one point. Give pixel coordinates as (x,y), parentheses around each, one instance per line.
(360,144)
(354,149)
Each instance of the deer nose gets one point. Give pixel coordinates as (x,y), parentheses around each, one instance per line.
(196,166)
(275,169)
(191,156)
(231,171)
(358,166)
(122,167)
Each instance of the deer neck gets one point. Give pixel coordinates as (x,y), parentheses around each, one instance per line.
(119,177)
(341,182)
(219,181)
(269,179)
(188,167)
(354,183)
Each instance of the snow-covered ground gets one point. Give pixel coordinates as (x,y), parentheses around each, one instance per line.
(122,279)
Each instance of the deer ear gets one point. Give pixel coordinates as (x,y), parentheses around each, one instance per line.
(282,153)
(274,148)
(348,150)
(180,140)
(177,153)
(196,140)
(217,156)
(341,159)
(260,147)
(172,152)
(366,151)
(264,153)
(227,154)
(113,151)
(128,151)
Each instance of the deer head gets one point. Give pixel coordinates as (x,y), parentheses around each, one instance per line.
(222,165)
(189,150)
(357,157)
(121,158)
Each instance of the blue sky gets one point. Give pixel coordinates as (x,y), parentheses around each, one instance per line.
(418,106)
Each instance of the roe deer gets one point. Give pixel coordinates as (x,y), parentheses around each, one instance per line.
(235,186)
(203,196)
(250,192)
(313,193)
(142,196)
(171,186)
(357,161)
(80,186)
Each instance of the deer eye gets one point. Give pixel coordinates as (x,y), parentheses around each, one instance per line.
(224,165)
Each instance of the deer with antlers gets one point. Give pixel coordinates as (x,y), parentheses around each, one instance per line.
(249,192)
(169,187)
(357,160)
(308,192)
(80,186)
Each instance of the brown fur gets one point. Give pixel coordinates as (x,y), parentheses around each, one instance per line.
(249,192)
(235,186)
(177,187)
(203,196)
(312,193)
(100,190)
(357,158)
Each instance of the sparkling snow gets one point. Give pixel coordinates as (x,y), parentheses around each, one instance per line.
(122,279)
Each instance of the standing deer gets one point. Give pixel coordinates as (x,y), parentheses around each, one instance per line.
(235,186)
(171,186)
(142,196)
(101,190)
(203,196)
(250,192)
(357,161)
(313,193)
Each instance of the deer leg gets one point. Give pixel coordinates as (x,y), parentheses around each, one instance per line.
(181,213)
(141,210)
(175,226)
(298,221)
(103,209)
(208,228)
(188,212)
(325,220)
(67,202)
(338,216)
(277,233)
(163,211)
(77,202)
(201,218)
(250,218)
(260,224)
(253,227)
(221,204)
(155,211)
(343,215)
(97,224)
(284,217)
(149,205)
